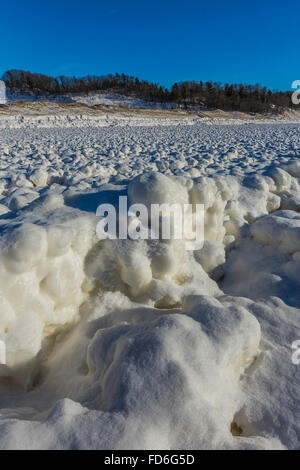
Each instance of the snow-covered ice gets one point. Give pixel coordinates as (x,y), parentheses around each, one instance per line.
(121,344)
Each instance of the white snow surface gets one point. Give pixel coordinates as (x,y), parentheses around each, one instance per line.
(122,344)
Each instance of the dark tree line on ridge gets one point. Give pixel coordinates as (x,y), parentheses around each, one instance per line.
(189,94)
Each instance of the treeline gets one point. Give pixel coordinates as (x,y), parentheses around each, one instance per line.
(189,94)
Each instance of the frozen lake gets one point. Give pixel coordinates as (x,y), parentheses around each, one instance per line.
(127,344)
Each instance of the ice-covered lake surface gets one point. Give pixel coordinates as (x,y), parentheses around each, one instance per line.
(122,344)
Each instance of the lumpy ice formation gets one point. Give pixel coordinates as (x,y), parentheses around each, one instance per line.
(119,344)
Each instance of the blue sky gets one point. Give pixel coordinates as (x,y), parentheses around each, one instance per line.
(162,41)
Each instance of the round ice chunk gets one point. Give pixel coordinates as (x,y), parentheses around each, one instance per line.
(156,188)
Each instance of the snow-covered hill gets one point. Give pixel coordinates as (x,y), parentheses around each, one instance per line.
(97,103)
(90,99)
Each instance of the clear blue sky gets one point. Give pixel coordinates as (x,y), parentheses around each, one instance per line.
(158,40)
